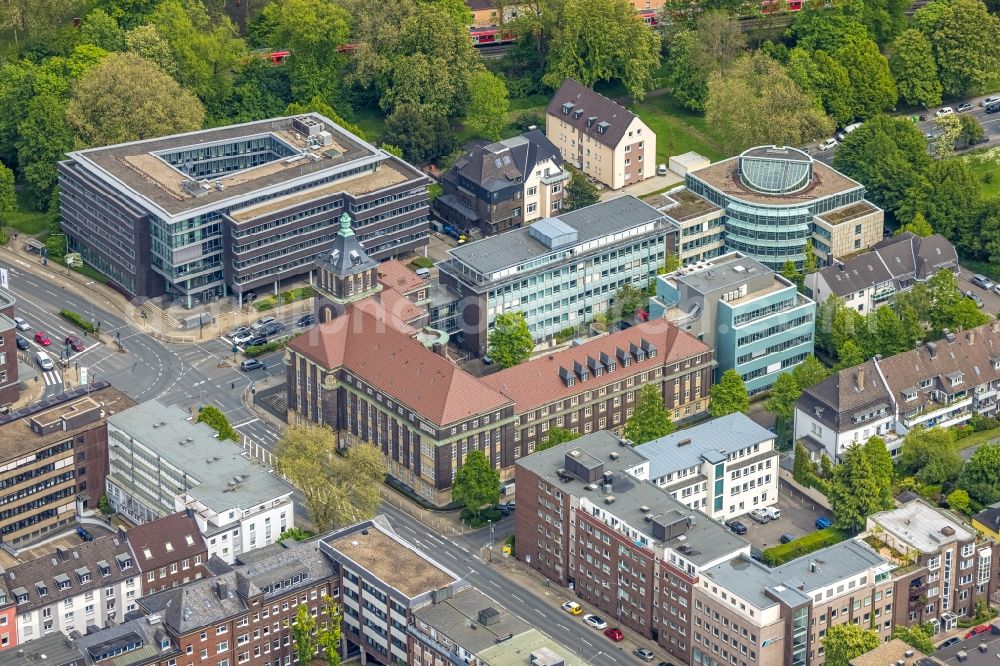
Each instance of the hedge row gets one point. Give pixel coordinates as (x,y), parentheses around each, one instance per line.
(266,348)
(77,320)
(803,546)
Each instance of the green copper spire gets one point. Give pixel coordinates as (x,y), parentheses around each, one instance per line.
(345,226)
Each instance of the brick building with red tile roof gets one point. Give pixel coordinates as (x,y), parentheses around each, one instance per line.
(169,551)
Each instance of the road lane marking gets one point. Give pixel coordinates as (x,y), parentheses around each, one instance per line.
(240,425)
(584,640)
(493,583)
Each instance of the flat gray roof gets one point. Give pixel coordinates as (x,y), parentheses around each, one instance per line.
(195,448)
(920,525)
(706,539)
(517,246)
(751,580)
(728,270)
(708,441)
(458,619)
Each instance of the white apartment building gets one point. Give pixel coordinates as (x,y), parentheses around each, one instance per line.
(724,467)
(161,463)
(95,583)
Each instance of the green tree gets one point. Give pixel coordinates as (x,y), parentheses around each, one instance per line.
(952,205)
(720,40)
(685,77)
(810,265)
(825,80)
(218,422)
(329,635)
(422,133)
(802,469)
(8,200)
(100,29)
(557,435)
(844,642)
(981,475)
(303,635)
(146,41)
(43,140)
(488,105)
(104,505)
(295,534)
(755,102)
(856,490)
(971,130)
(959,500)
(784,392)
(948,128)
(792,274)
(628,299)
(580,190)
(651,419)
(868,70)
(930,455)
(510,340)
(827,28)
(809,372)
(919,636)
(729,395)
(127,98)
(602,40)
(337,490)
(963,37)
(881,463)
(849,355)
(911,62)
(476,484)
(919,226)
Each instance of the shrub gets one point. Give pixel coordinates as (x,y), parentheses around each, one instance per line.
(481,518)
(802,546)
(77,320)
(4,237)
(266,348)
(290,296)
(529,119)
(422,262)
(566,334)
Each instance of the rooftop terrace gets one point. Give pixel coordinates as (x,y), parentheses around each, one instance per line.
(724,176)
(848,213)
(682,205)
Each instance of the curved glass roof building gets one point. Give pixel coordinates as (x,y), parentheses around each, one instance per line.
(777,198)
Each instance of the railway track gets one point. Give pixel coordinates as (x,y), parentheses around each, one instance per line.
(493,52)
(784,19)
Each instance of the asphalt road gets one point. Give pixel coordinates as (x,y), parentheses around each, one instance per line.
(990,123)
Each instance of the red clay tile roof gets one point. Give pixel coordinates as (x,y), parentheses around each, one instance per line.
(395,275)
(399,306)
(398,365)
(169,539)
(537,382)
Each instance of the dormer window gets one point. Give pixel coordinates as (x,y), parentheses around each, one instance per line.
(910,394)
(22,598)
(567,107)
(124,561)
(955,378)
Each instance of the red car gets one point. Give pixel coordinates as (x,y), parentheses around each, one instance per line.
(614,634)
(981,629)
(43,339)
(75,343)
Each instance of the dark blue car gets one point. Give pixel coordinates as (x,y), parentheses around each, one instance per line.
(823,523)
(84,534)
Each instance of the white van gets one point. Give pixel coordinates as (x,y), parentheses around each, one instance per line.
(262,322)
(44,362)
(423,273)
(847,130)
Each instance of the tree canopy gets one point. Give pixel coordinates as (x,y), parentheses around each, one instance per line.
(650,418)
(476,484)
(215,419)
(729,395)
(510,340)
(963,37)
(844,642)
(980,476)
(930,455)
(557,435)
(860,486)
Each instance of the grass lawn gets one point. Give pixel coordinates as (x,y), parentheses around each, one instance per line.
(26,220)
(677,130)
(371,120)
(978,438)
(986,165)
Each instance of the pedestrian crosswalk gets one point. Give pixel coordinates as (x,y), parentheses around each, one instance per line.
(52,378)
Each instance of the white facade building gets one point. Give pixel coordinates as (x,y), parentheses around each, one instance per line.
(161,463)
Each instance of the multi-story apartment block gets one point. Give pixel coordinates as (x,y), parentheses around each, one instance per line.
(372,377)
(588,520)
(776,199)
(54,459)
(10,385)
(559,271)
(946,569)
(745,613)
(599,136)
(162,463)
(757,322)
(939,383)
(94,583)
(893,266)
(697,223)
(499,186)
(228,210)
(242,613)
(169,551)
(723,467)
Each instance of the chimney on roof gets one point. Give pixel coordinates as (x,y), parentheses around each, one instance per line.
(908,654)
(932,349)
(860,378)
(221,589)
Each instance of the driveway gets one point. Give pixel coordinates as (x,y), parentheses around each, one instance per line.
(642,188)
(798,518)
(991,302)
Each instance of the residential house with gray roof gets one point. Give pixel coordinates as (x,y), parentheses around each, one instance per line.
(940,383)
(143,641)
(161,462)
(868,280)
(96,583)
(170,551)
(499,186)
(733,449)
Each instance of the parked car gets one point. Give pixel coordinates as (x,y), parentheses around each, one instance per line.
(930,136)
(252,364)
(737,527)
(772,512)
(822,523)
(981,281)
(981,629)
(847,130)
(661,170)
(238,331)
(993,108)
(989,100)
(262,322)
(306,320)
(84,534)
(944,111)
(787,537)
(244,336)
(487,360)
(951,641)
(572,608)
(976,142)
(22,343)
(996,290)
(827,144)
(760,516)
(273,328)
(614,634)
(21,325)
(505,508)
(975,299)
(644,653)
(963,107)
(43,360)
(43,339)
(75,343)
(257,341)
(595,621)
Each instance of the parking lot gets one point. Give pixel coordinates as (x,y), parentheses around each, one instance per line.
(68,539)
(991,301)
(798,518)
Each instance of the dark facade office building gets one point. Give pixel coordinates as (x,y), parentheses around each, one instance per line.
(226,211)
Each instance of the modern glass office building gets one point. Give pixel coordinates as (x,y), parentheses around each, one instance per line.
(776,199)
